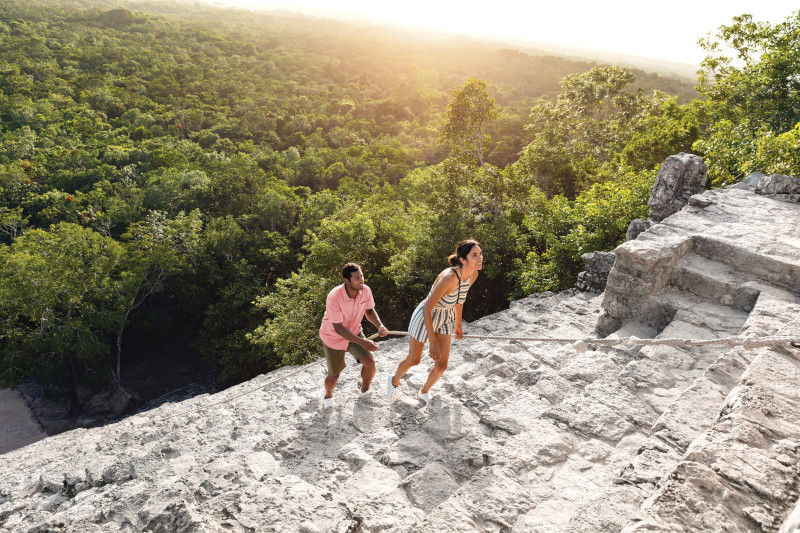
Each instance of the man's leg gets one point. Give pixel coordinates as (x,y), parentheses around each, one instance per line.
(335,362)
(330,384)
(367,372)
(364,357)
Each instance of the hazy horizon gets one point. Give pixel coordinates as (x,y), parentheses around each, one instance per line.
(622,27)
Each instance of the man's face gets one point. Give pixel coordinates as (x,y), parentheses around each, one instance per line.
(356,281)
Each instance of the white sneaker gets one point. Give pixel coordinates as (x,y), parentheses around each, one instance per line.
(364,394)
(327,403)
(392,392)
(426,396)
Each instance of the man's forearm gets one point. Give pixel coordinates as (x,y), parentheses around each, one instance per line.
(347,334)
(372,316)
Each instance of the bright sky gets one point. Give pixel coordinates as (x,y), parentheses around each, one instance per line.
(661,30)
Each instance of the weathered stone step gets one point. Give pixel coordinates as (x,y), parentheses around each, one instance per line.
(687,417)
(539,315)
(774,313)
(657,369)
(715,282)
(695,410)
(780,272)
(660,309)
(683,385)
(742,474)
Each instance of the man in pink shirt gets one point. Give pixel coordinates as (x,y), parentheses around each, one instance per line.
(340,331)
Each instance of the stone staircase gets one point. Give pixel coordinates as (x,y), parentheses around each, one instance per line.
(521,437)
(723,454)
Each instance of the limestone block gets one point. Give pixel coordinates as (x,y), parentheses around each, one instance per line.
(778,184)
(608,510)
(699,200)
(636,228)
(515,414)
(691,414)
(715,507)
(367,413)
(543,443)
(778,371)
(260,464)
(598,265)
(490,501)
(758,470)
(416,449)
(679,177)
(592,419)
(652,462)
(430,486)
(754,179)
(177,517)
(553,387)
(370,481)
(588,367)
(466,456)
(646,373)
(792,522)
(594,450)
(534,522)
(614,395)
(448,420)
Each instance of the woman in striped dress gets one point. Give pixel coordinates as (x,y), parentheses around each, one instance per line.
(438,317)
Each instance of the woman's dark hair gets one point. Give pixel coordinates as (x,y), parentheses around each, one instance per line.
(462,251)
(348,269)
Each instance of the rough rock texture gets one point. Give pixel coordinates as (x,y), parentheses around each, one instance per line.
(598,265)
(775,186)
(637,227)
(520,436)
(679,177)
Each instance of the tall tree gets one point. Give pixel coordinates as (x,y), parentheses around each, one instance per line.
(57,295)
(464,126)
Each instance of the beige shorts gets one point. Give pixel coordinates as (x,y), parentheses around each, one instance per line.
(335,358)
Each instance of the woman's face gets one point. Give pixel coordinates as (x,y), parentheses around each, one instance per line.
(474,260)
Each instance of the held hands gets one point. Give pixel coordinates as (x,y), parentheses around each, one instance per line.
(382,331)
(459,332)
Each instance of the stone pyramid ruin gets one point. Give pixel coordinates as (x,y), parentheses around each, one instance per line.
(520,436)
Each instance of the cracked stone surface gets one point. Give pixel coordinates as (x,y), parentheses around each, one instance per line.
(520,436)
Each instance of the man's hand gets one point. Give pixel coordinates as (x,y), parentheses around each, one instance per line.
(382,331)
(369,345)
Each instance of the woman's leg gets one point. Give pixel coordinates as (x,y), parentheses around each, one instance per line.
(439,366)
(414,355)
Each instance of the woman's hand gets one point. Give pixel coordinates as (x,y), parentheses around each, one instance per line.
(459,332)
(436,352)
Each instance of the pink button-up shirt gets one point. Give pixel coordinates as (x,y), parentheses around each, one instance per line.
(340,308)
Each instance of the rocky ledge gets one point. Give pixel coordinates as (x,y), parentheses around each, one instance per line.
(520,436)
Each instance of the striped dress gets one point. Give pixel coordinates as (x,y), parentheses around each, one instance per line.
(443,314)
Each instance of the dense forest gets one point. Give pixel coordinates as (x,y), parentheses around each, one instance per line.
(197,175)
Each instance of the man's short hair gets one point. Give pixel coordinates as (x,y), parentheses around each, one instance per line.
(348,270)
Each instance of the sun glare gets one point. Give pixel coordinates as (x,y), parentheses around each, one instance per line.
(623,26)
